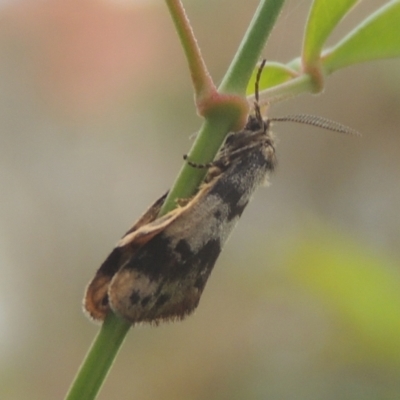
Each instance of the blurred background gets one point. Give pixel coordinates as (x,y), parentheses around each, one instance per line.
(96,112)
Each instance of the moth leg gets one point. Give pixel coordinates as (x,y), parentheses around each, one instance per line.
(198,165)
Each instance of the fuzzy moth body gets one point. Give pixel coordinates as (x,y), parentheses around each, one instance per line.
(159,269)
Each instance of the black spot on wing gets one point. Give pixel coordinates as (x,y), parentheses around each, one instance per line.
(209,253)
(153,258)
(158,261)
(134,297)
(183,249)
(162,300)
(241,179)
(145,301)
(198,265)
(112,263)
(236,210)
(217,214)
(180,266)
(231,195)
(104,301)
(205,261)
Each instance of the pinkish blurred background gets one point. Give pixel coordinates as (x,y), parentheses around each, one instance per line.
(96,112)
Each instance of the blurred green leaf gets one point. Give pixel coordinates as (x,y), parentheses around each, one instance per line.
(361,287)
(323,18)
(273,74)
(376,38)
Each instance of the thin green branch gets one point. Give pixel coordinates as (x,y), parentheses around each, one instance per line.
(99,359)
(203,84)
(242,66)
(207,144)
(296,86)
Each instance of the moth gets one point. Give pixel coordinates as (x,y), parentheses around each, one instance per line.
(158,270)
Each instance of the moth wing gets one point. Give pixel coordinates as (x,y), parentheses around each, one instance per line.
(149,215)
(95,302)
(165,278)
(137,298)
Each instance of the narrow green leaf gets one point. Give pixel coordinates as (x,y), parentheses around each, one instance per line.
(323,18)
(376,38)
(273,74)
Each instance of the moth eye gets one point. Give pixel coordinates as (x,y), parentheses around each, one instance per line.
(257,125)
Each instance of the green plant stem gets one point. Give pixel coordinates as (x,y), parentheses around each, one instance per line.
(104,349)
(99,359)
(202,82)
(215,127)
(242,66)
(188,180)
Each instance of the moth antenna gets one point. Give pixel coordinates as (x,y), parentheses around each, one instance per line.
(197,165)
(317,121)
(258,78)
(257,91)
